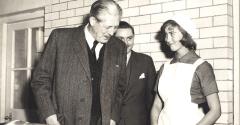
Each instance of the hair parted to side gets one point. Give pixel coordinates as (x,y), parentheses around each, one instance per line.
(187,39)
(104,6)
(124,25)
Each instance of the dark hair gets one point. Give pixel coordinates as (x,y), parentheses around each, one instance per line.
(103,5)
(124,25)
(187,39)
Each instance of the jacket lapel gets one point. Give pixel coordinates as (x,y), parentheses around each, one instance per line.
(106,83)
(80,48)
(129,67)
(107,70)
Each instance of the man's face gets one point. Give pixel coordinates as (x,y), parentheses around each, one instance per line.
(127,36)
(104,26)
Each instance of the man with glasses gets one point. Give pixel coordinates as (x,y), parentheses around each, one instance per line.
(81,75)
(138,96)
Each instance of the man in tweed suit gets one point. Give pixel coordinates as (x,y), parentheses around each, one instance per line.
(80,78)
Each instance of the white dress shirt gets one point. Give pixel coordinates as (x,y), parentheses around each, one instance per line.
(90,41)
(128,56)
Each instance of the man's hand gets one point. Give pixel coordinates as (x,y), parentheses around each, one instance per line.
(52,120)
(112,122)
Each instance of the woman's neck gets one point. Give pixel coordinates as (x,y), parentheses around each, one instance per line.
(181,52)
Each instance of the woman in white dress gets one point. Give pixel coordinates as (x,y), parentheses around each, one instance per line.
(186,85)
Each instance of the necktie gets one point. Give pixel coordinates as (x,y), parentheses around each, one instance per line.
(93,48)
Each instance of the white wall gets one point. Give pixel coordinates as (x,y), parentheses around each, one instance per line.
(214,19)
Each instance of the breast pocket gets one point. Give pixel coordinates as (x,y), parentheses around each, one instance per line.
(142,76)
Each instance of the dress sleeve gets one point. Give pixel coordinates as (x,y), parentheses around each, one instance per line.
(204,83)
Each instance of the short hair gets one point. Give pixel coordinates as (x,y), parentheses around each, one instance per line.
(104,5)
(124,25)
(187,39)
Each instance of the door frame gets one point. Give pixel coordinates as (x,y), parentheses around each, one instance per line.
(26,25)
(4,22)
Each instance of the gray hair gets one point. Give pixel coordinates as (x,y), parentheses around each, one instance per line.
(104,6)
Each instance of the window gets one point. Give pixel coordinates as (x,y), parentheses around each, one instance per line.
(26,49)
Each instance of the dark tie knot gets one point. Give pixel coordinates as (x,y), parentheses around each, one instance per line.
(94,45)
(93,49)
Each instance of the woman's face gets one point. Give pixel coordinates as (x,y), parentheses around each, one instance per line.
(173,37)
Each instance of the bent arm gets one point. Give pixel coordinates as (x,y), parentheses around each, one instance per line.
(42,80)
(151,78)
(214,110)
(156,109)
(208,83)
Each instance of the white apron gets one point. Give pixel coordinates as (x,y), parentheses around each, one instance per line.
(174,88)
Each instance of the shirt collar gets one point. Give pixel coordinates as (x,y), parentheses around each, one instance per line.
(190,57)
(128,56)
(88,36)
(90,40)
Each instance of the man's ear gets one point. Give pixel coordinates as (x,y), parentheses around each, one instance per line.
(92,20)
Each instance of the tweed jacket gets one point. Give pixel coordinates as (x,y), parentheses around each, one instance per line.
(139,94)
(61,81)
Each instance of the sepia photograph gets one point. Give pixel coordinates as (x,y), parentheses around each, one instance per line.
(119,62)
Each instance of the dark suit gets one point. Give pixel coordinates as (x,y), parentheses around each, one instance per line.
(138,97)
(62,80)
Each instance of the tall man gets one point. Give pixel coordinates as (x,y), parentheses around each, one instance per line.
(141,74)
(81,75)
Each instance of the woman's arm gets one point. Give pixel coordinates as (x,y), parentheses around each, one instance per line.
(214,110)
(156,109)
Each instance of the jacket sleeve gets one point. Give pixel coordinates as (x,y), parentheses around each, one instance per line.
(121,85)
(42,79)
(151,79)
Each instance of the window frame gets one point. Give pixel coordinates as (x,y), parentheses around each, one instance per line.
(5,20)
